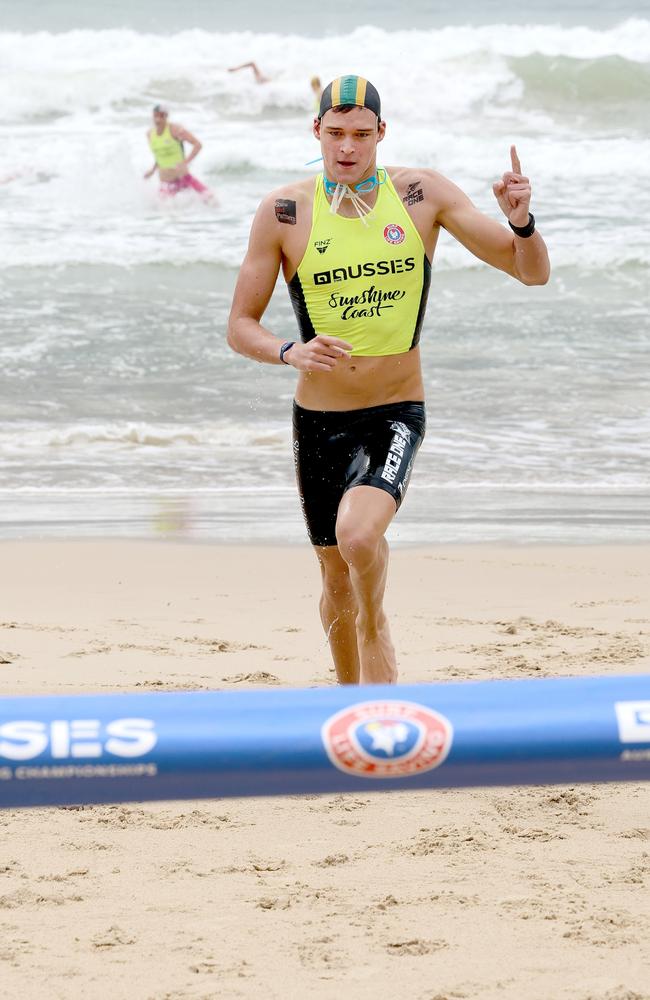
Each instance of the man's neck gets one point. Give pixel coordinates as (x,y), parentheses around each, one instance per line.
(346,206)
(370,172)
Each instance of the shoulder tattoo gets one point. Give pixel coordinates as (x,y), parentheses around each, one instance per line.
(414,193)
(285,211)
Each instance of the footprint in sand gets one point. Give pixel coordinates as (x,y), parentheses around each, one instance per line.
(274,903)
(332,860)
(259,677)
(112,938)
(417,946)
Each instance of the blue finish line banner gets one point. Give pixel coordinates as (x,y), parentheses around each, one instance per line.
(138,747)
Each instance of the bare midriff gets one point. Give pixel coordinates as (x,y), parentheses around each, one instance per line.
(173,173)
(356,383)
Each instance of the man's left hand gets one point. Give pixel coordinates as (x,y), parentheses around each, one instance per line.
(513,192)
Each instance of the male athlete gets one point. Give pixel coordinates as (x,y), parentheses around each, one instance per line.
(166,142)
(355,247)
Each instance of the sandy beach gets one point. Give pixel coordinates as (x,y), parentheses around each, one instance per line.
(151,534)
(535,893)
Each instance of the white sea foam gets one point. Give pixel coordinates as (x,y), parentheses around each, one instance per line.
(91,70)
(115,378)
(76,106)
(26,439)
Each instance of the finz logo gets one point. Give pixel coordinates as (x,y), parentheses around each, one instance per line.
(322,245)
(76,738)
(633,721)
(387,739)
(394,234)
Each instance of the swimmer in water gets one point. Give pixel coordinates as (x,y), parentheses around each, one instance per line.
(166,141)
(259,76)
(317,90)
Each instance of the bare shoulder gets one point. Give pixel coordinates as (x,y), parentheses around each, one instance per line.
(302,192)
(426,194)
(410,180)
(180,132)
(287,203)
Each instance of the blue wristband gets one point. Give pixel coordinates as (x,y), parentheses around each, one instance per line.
(288,344)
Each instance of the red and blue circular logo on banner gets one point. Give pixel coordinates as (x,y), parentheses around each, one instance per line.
(387,739)
(394,234)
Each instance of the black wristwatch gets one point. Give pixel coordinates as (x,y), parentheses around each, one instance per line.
(288,344)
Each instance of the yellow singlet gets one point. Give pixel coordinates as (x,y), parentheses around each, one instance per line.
(167,151)
(367,285)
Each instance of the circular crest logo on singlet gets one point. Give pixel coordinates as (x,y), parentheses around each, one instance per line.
(394,234)
(387,739)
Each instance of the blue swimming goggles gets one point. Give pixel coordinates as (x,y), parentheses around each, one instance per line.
(364,187)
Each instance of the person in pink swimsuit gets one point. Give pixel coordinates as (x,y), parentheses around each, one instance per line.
(166,141)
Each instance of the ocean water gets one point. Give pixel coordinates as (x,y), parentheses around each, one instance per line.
(122,410)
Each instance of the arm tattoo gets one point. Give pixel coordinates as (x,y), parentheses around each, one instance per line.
(414,193)
(285,211)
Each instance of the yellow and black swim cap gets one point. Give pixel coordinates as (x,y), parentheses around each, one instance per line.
(346,90)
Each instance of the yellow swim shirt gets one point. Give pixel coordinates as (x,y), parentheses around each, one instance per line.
(367,285)
(167,151)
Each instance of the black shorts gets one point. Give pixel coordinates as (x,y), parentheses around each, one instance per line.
(334,450)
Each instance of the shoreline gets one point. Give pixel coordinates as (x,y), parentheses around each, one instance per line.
(431,515)
(424,547)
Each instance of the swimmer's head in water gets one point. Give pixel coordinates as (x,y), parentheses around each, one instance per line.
(350,91)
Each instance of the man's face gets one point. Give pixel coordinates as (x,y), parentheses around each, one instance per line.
(159,119)
(349,143)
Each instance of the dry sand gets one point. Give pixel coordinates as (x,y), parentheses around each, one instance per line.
(520,894)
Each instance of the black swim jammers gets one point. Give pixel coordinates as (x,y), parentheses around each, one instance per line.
(335,450)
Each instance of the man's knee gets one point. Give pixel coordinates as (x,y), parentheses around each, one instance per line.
(357,543)
(363,517)
(335,573)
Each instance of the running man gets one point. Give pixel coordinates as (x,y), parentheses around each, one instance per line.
(355,247)
(166,142)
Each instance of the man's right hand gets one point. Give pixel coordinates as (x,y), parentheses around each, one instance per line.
(320,354)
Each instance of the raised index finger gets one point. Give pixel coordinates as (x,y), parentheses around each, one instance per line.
(514,159)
